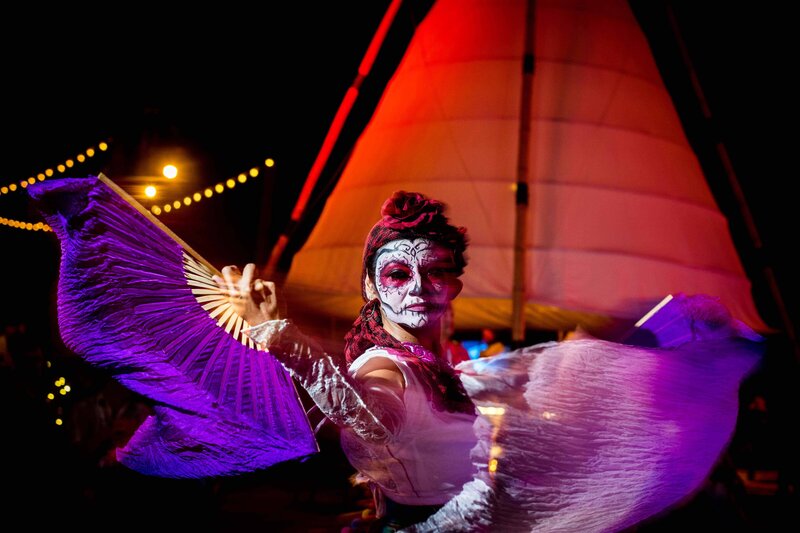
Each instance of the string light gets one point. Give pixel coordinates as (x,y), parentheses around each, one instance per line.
(208,192)
(60,168)
(30,226)
(157,210)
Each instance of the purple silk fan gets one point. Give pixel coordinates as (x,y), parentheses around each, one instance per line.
(135,300)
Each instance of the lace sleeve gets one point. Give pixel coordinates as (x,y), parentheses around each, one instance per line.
(372,408)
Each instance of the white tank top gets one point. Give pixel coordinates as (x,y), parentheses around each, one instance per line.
(428,460)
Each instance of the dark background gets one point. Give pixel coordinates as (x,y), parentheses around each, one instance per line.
(227,87)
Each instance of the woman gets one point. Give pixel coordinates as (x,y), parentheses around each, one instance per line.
(406,419)
(585,435)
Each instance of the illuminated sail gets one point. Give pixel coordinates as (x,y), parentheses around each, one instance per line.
(620,213)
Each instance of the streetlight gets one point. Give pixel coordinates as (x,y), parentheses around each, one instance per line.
(170,171)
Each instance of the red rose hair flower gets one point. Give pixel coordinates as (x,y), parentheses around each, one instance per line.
(409,209)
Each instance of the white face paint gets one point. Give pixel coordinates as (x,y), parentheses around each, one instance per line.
(415,280)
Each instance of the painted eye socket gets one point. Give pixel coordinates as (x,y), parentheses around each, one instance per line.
(434,274)
(439,272)
(397,275)
(394,274)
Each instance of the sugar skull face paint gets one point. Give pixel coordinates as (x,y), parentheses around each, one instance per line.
(414,281)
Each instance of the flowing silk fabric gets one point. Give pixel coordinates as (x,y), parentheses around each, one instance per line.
(133,301)
(595,436)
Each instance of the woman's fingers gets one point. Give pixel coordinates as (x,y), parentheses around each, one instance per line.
(255,299)
(231,276)
(266,290)
(247,278)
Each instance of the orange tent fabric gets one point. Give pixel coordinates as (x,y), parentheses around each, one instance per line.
(620,212)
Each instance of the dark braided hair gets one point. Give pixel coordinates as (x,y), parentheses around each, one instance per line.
(367,331)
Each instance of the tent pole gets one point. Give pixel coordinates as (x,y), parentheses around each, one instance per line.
(523,172)
(330,138)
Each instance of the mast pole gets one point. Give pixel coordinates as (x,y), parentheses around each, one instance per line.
(522,190)
(331,137)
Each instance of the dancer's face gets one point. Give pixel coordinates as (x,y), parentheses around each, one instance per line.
(414,281)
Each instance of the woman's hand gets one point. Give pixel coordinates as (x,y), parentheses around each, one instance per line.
(254,300)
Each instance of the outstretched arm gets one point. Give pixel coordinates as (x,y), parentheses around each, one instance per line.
(371,404)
